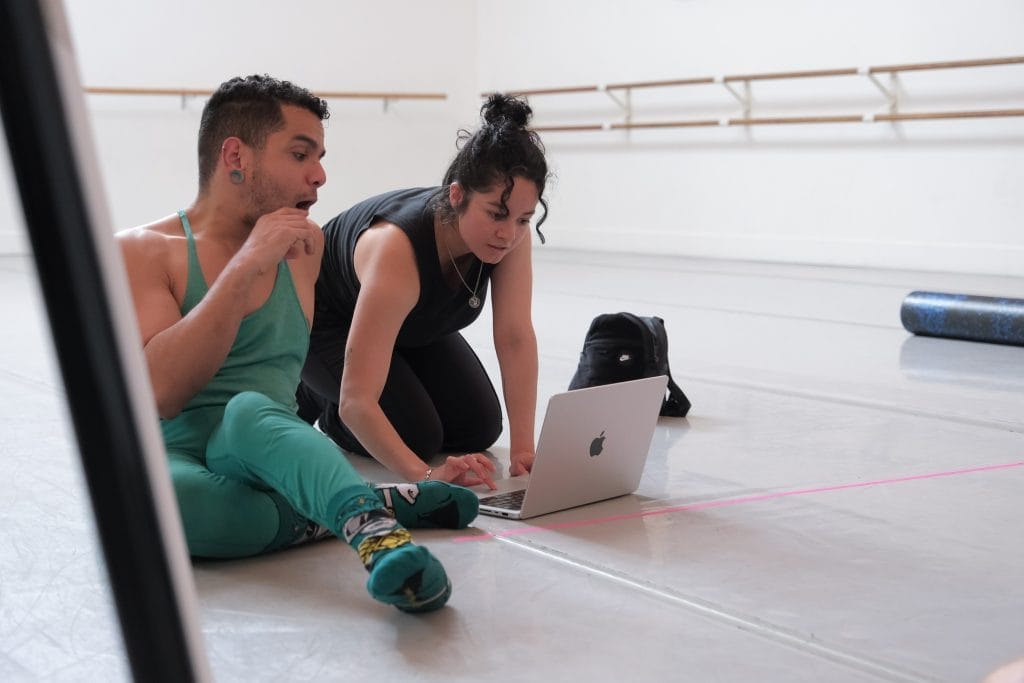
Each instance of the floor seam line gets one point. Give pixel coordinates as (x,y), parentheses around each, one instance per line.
(750,625)
(861,403)
(30,382)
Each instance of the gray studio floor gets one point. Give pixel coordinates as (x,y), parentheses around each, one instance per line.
(844,503)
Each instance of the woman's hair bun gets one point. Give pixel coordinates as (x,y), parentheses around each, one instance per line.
(500,108)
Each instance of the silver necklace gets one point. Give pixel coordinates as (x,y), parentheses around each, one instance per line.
(474,300)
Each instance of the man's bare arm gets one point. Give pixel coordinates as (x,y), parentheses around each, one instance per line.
(184,353)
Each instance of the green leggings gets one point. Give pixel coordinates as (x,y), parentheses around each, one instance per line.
(249,477)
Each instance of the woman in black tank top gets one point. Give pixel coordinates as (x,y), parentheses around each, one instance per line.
(388,373)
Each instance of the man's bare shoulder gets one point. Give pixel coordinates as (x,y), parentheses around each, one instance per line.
(152,241)
(162,231)
(154,252)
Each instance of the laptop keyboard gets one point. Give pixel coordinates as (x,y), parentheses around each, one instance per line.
(512,500)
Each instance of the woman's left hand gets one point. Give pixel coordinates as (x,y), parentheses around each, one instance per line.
(522,463)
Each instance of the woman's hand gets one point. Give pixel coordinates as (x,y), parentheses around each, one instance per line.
(466,470)
(522,463)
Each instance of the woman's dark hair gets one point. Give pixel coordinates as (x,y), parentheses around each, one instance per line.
(250,109)
(502,150)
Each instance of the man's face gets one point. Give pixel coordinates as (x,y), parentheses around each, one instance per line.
(287,172)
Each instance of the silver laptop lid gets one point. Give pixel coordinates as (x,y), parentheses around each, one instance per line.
(593,444)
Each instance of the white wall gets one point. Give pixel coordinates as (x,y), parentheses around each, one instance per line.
(147,144)
(930,195)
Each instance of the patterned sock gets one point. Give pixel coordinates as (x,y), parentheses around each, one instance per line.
(401,573)
(429,504)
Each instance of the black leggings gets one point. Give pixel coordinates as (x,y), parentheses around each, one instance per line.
(437,397)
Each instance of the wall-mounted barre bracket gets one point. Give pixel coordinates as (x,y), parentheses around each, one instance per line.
(625,104)
(745,98)
(890,91)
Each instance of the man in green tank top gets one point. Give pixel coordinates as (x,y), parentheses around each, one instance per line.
(223,293)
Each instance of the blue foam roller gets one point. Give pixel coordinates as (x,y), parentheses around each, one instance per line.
(963,316)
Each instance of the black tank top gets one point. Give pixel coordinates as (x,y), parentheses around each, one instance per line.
(440,309)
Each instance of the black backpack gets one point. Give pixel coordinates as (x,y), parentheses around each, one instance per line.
(621,347)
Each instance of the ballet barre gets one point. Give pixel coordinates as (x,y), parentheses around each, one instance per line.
(185,93)
(739,86)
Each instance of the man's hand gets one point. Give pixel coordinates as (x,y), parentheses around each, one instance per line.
(282,234)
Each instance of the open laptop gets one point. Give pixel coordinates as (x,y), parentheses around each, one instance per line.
(593,446)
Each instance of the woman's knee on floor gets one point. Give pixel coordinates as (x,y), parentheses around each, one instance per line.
(475,430)
(311,404)
(477,440)
(424,439)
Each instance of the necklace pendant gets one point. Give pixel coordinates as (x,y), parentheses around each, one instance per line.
(474,301)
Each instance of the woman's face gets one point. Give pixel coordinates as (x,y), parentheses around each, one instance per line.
(487,229)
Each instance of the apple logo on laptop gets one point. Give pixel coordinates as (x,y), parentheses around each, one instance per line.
(597,445)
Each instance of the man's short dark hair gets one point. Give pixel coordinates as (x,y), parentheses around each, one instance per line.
(250,109)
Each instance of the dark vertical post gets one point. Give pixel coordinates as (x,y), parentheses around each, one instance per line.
(141,544)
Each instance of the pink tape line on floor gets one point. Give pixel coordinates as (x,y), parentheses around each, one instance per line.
(732,501)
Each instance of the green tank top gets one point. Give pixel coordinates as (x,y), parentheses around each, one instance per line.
(270,348)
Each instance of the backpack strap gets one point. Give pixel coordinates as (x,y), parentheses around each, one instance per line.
(676,405)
